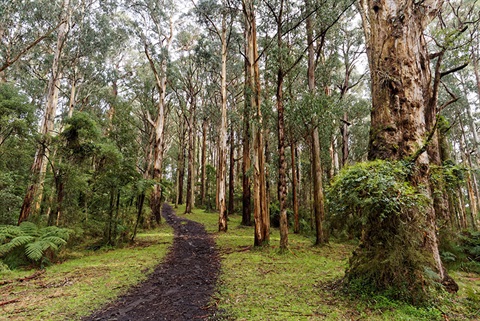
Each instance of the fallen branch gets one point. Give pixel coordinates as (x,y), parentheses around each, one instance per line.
(31,277)
(8,302)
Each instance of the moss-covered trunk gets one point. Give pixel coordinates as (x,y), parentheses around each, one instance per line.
(401,92)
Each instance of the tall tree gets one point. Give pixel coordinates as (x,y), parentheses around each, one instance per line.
(157,38)
(40,162)
(252,78)
(401,79)
(222,30)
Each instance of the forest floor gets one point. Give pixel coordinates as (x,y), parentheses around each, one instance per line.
(181,287)
(173,273)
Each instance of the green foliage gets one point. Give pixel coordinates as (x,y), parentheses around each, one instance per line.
(80,136)
(375,202)
(36,243)
(17,119)
(16,115)
(469,246)
(370,193)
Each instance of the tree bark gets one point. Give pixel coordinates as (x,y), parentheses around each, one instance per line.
(345,135)
(296,226)
(231,174)
(318,198)
(222,139)
(260,211)
(282,163)
(401,93)
(191,157)
(158,128)
(203,171)
(181,164)
(246,163)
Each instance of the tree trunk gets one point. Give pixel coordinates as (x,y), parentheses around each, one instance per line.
(318,198)
(40,163)
(203,171)
(191,157)
(222,139)
(260,211)
(345,135)
(158,127)
(400,72)
(231,174)
(246,164)
(282,163)
(296,226)
(469,179)
(181,165)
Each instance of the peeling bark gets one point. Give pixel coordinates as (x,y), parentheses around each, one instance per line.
(260,211)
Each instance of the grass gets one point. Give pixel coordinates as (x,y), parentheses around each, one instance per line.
(302,284)
(256,284)
(80,285)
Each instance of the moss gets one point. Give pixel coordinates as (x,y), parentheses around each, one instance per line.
(377,199)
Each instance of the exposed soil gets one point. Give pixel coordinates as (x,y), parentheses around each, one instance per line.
(181,287)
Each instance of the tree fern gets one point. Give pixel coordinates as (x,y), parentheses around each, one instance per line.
(34,241)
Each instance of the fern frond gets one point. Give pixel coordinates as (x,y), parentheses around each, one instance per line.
(21,240)
(34,251)
(5,248)
(63,233)
(58,241)
(8,232)
(15,242)
(29,228)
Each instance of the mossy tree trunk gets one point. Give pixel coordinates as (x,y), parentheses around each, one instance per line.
(401,93)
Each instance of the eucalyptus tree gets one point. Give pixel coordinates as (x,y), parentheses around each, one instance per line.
(187,85)
(155,29)
(219,19)
(281,17)
(40,162)
(253,103)
(23,26)
(319,22)
(401,120)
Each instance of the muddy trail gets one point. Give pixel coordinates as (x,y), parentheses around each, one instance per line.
(181,287)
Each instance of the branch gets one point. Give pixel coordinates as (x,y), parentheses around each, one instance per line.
(451,101)
(458,68)
(322,34)
(149,119)
(9,62)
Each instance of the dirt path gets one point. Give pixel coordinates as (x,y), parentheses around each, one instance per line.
(180,288)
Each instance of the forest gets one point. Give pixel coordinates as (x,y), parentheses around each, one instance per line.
(345,131)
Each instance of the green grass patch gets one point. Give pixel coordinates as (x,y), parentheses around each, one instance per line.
(82,283)
(302,284)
